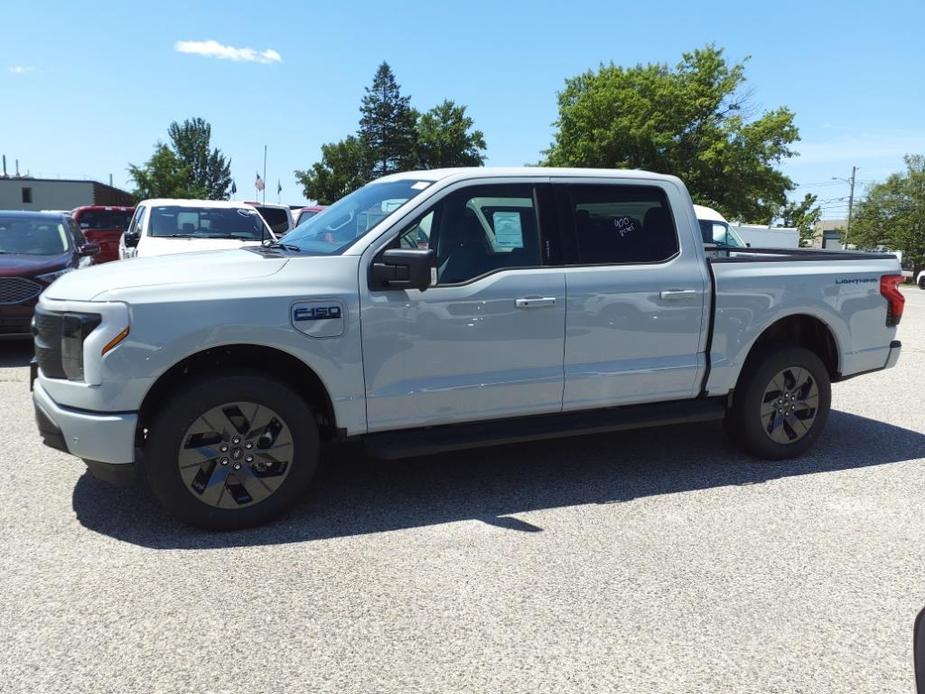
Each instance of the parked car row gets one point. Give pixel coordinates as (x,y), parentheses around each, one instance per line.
(36,248)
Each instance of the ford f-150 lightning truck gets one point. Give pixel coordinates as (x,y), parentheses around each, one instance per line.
(443,309)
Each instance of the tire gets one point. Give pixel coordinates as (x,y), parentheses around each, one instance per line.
(796,383)
(258,464)
(922,282)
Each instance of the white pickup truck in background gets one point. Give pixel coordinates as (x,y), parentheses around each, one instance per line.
(441,309)
(167,226)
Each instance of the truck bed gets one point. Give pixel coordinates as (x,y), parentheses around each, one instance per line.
(841,289)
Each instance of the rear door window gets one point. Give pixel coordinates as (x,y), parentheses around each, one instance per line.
(617,224)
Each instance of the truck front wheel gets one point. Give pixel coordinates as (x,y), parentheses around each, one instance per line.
(231,451)
(781,403)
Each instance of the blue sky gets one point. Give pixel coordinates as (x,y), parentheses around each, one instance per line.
(87,88)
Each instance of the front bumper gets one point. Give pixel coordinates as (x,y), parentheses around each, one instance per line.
(104,437)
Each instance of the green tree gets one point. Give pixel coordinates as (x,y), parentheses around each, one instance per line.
(803,215)
(187,168)
(343,168)
(210,170)
(691,121)
(387,125)
(162,176)
(445,138)
(892,215)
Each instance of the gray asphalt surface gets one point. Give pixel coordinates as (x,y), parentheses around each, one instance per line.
(657,561)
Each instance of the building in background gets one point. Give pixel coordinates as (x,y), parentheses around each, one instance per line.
(27,193)
(829,233)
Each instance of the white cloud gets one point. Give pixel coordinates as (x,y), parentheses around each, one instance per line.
(214,49)
(21,69)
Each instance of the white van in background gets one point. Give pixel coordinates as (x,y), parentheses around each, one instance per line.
(716,230)
(761,236)
(165,226)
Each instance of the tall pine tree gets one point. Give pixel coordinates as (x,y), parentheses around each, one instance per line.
(388,125)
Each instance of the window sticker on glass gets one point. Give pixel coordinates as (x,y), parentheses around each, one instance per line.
(508,231)
(420,185)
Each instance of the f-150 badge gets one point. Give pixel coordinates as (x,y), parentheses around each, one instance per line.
(323,318)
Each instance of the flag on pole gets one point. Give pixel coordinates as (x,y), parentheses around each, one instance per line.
(279,187)
(234,188)
(258,184)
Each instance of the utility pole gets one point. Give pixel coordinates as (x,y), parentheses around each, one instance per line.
(265,174)
(854,171)
(850,182)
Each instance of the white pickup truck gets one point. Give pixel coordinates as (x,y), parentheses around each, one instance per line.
(441,309)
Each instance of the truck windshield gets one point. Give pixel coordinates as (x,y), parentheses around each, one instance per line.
(720,234)
(208,223)
(333,230)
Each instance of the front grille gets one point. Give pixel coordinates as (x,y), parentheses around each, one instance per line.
(16,290)
(47,332)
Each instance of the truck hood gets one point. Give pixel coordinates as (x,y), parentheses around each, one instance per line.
(181,268)
(155,245)
(28,265)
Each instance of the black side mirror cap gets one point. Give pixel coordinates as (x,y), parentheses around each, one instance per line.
(88,249)
(130,240)
(402,268)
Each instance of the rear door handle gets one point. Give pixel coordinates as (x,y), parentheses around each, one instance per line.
(535,302)
(678,294)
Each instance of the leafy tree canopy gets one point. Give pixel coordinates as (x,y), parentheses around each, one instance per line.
(393,136)
(803,215)
(892,215)
(343,168)
(445,138)
(691,121)
(187,168)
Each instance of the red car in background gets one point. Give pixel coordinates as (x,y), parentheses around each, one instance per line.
(104,226)
(300,214)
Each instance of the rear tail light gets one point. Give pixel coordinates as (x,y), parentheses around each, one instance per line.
(889,289)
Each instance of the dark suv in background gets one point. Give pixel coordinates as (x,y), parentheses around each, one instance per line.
(104,226)
(36,248)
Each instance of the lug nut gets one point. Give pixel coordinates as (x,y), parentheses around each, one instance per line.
(223,448)
(224,461)
(248,459)
(237,466)
(249,445)
(236,439)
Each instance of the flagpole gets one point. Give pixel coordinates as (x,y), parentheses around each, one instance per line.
(264,174)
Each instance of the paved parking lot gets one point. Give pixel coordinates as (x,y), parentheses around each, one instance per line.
(645,562)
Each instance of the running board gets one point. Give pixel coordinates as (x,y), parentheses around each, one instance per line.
(406,443)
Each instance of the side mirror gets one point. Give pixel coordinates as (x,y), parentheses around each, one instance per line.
(403,268)
(130,239)
(88,249)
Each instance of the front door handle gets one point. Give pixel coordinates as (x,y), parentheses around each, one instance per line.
(535,302)
(678,294)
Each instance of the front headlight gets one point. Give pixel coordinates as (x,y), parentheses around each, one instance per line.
(50,277)
(75,327)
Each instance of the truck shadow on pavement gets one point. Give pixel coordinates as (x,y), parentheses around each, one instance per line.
(355,495)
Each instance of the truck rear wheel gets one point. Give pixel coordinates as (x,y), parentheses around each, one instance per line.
(781,404)
(232,451)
